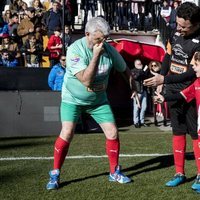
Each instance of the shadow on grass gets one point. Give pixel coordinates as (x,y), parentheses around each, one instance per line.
(21,142)
(82,179)
(142,167)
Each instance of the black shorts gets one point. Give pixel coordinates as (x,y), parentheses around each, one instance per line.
(183,118)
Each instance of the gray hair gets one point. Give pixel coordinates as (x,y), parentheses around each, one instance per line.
(97,24)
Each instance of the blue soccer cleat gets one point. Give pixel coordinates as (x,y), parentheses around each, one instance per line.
(196,184)
(118,176)
(54,180)
(176,180)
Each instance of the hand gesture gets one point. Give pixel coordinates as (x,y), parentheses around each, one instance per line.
(137,99)
(157,79)
(98,49)
(31,30)
(158,98)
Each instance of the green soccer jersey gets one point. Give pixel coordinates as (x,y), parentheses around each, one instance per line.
(78,58)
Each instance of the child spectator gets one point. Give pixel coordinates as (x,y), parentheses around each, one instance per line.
(32,49)
(56,75)
(55,46)
(6,60)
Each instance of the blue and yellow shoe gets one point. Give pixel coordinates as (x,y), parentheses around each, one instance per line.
(196,184)
(118,176)
(53,183)
(176,180)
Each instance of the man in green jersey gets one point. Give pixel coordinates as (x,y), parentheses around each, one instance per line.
(89,62)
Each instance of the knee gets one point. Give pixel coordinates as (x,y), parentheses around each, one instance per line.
(112,134)
(66,134)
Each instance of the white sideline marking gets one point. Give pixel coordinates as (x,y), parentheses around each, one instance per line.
(82,157)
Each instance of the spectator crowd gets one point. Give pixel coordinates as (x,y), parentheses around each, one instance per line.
(31,29)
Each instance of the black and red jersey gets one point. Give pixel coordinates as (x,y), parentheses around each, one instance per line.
(180,51)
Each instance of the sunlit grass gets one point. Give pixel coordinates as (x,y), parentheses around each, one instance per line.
(87,178)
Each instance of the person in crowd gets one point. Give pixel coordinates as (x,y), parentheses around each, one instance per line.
(39,9)
(188,94)
(71,11)
(177,73)
(88,5)
(16,6)
(2,7)
(67,37)
(27,25)
(160,109)
(133,16)
(89,61)
(172,19)
(12,26)
(52,18)
(12,47)
(7,60)
(155,10)
(120,14)
(32,50)
(4,31)
(7,15)
(165,11)
(139,74)
(55,46)
(56,75)
(109,9)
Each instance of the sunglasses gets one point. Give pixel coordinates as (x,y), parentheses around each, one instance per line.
(154,65)
(63,59)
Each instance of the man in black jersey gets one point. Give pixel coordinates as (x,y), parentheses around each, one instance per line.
(177,74)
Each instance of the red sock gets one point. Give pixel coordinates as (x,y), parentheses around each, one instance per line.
(112,150)
(60,151)
(179,145)
(196,148)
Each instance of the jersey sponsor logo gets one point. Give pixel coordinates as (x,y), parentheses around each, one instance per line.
(75,59)
(179,51)
(195,41)
(177,68)
(197,88)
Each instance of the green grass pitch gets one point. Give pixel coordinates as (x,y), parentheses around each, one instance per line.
(87,178)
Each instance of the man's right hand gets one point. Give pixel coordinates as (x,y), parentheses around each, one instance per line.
(98,49)
(157,79)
